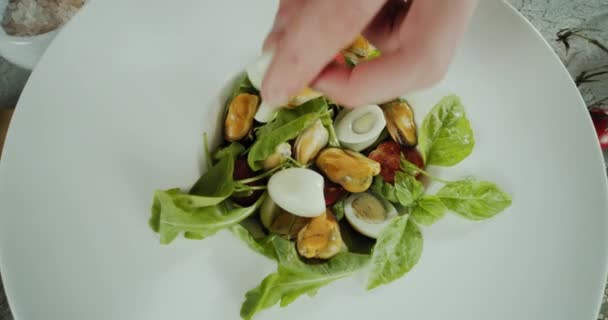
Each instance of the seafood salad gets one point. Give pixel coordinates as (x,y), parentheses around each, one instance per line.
(327,191)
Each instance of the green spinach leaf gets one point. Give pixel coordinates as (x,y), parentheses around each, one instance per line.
(428,210)
(446,137)
(295,278)
(397,251)
(473,199)
(171,215)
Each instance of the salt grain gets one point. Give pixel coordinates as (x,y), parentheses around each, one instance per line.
(32,17)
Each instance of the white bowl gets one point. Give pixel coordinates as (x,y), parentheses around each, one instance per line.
(23,51)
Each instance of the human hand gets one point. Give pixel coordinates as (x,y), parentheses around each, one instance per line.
(417,39)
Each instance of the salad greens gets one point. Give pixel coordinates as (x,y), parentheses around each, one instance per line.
(405,191)
(174,212)
(397,250)
(294,277)
(428,210)
(475,200)
(266,144)
(231,196)
(446,137)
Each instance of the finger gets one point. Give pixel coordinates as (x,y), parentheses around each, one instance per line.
(312,38)
(378,80)
(428,41)
(287,9)
(387,22)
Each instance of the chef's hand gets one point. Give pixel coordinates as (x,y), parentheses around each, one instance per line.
(417,39)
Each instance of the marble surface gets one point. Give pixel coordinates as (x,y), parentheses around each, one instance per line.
(583,58)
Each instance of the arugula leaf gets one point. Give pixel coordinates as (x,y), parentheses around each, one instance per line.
(234,150)
(215,185)
(446,137)
(428,210)
(262,245)
(173,213)
(328,123)
(473,199)
(286,115)
(397,251)
(241,85)
(295,278)
(405,191)
(266,144)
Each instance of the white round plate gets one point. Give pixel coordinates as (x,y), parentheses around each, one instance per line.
(117,107)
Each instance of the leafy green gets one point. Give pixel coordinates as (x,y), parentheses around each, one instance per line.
(338,210)
(384,189)
(446,137)
(286,115)
(215,185)
(397,251)
(428,210)
(266,144)
(262,245)
(295,278)
(241,85)
(173,212)
(328,123)
(405,191)
(233,150)
(408,188)
(473,199)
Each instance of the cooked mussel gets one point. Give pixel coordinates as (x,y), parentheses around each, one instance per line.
(279,221)
(350,169)
(400,122)
(360,49)
(281,153)
(310,142)
(320,237)
(239,119)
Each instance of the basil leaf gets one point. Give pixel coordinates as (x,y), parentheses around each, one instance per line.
(215,185)
(173,213)
(405,191)
(428,210)
(233,150)
(397,251)
(262,245)
(266,144)
(384,189)
(295,278)
(473,199)
(446,137)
